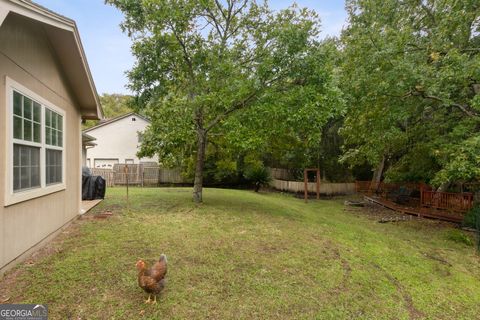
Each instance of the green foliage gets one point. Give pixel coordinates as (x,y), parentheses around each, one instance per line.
(113,105)
(472,218)
(409,75)
(459,236)
(462,162)
(256,174)
(235,73)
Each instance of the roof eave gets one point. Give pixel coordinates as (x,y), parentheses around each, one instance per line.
(89,110)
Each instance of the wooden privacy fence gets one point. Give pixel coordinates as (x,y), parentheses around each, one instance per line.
(140,175)
(325,188)
(106,174)
(281,174)
(369,187)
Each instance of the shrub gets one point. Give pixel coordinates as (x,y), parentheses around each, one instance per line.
(258,176)
(472,220)
(459,237)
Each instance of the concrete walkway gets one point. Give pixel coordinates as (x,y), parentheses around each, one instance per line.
(88,205)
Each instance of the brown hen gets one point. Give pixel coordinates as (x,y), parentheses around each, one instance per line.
(152,280)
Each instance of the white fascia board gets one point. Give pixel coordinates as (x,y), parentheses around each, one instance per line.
(3,14)
(31,11)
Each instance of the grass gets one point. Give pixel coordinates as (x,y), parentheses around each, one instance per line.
(243,255)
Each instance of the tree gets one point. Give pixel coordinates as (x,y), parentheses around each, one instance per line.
(410,73)
(199,63)
(113,105)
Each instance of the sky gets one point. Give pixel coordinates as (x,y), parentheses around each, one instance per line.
(108,49)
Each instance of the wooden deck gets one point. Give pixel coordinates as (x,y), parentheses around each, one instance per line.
(419,212)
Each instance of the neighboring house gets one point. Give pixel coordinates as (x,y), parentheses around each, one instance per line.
(87,143)
(46,89)
(117,141)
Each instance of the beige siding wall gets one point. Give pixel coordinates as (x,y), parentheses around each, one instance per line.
(26,57)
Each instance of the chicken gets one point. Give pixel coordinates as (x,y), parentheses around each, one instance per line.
(152,280)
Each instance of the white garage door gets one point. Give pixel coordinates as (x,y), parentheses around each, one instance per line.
(105,163)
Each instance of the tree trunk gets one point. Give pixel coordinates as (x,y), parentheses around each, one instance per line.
(377,175)
(198,182)
(443,187)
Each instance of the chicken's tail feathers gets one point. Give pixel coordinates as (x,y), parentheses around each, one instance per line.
(163,256)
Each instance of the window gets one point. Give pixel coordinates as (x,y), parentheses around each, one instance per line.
(36,139)
(26,167)
(54,142)
(26,143)
(54,166)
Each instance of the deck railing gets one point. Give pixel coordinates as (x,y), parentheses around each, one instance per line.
(403,197)
(460,202)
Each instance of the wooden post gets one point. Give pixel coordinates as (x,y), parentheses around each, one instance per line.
(125,170)
(421,195)
(305,181)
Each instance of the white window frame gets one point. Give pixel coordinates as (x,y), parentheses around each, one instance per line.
(11,196)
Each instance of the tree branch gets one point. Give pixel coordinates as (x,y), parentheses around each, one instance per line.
(237,106)
(464,108)
(241,104)
(186,56)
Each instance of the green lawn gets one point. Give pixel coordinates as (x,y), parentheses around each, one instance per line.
(242,255)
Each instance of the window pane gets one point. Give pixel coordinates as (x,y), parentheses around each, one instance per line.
(27,108)
(26,170)
(54,120)
(25,177)
(60,139)
(17,103)
(16,178)
(60,123)
(48,115)
(16,157)
(58,173)
(36,132)
(54,137)
(36,112)
(24,156)
(27,130)
(48,136)
(54,166)
(35,176)
(34,157)
(17,127)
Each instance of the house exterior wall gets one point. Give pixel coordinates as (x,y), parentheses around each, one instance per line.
(26,58)
(117,140)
